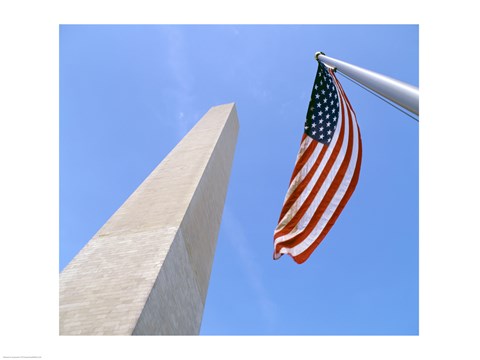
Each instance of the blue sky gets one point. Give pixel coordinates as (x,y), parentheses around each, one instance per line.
(128,94)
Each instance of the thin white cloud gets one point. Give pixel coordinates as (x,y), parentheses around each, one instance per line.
(258,90)
(236,235)
(179,69)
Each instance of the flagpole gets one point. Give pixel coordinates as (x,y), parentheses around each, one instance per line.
(399,92)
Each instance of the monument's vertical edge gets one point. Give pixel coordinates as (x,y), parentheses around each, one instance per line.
(178,296)
(147,269)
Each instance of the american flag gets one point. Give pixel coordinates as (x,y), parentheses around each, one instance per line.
(326,170)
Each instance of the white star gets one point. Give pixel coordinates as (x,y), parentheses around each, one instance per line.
(335,118)
(323,92)
(317,96)
(325,100)
(318,105)
(331,102)
(313,117)
(328,124)
(321,129)
(313,125)
(321,121)
(328,115)
(326,108)
(321,136)
(316,86)
(329,139)
(333,110)
(320,113)
(314,132)
(329,132)
(306,126)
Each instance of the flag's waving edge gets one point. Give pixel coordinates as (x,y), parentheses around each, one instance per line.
(326,170)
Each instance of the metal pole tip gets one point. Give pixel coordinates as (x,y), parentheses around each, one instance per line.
(317,54)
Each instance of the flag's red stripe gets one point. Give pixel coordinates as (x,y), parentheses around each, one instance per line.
(297,239)
(303,159)
(302,257)
(339,86)
(296,218)
(303,184)
(304,136)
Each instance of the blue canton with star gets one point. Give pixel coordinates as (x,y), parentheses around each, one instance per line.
(323,109)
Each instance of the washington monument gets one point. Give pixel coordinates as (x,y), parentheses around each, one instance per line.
(146,271)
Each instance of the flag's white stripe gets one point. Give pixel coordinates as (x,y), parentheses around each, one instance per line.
(304,146)
(307,217)
(340,193)
(304,170)
(325,186)
(315,233)
(295,207)
(300,176)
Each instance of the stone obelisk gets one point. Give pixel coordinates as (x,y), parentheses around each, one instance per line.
(146,271)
